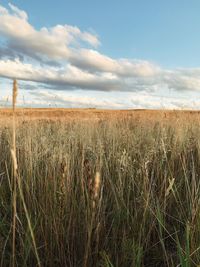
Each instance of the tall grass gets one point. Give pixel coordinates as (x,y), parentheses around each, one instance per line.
(101,193)
(17,181)
(14,181)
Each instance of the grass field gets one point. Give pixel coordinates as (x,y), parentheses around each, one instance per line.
(101,188)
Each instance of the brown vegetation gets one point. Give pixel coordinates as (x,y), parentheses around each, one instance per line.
(100,188)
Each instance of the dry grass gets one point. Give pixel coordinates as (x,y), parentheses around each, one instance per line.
(14,180)
(101,188)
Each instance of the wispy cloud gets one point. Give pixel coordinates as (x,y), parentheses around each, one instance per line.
(41,97)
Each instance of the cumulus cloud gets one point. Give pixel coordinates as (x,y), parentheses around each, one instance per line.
(64,57)
(92,60)
(47,42)
(56,43)
(67,78)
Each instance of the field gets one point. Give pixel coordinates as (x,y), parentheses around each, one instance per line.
(100,188)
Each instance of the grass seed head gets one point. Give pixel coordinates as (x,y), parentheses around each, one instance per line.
(15,92)
(97,183)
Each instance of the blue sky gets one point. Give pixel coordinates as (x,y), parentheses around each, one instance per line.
(167,32)
(113,54)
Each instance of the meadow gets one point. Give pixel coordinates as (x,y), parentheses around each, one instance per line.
(100,188)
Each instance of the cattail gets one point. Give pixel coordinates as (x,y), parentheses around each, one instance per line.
(14,158)
(96,188)
(15,91)
(97,182)
(13,150)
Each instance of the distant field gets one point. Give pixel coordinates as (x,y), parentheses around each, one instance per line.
(101,188)
(61,113)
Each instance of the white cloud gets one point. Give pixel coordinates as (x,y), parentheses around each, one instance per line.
(67,78)
(18,12)
(52,43)
(56,99)
(109,100)
(35,95)
(64,57)
(56,43)
(92,60)
(3,10)
(71,77)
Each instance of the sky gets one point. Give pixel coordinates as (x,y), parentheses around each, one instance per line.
(101,54)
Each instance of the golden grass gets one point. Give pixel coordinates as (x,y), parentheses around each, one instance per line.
(17,181)
(99,188)
(14,159)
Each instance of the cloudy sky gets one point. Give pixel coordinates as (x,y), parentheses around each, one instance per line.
(104,54)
